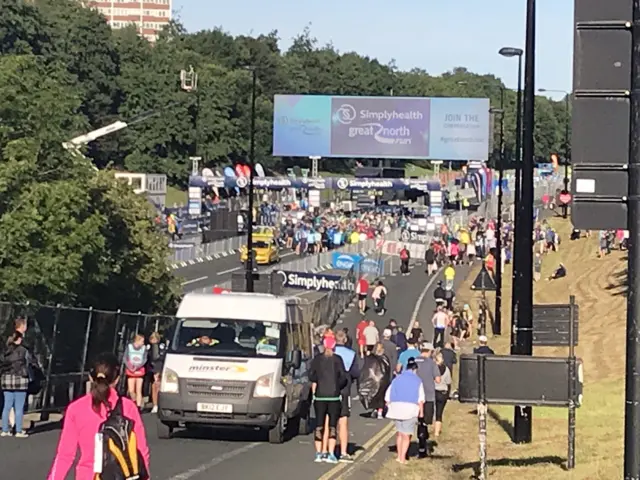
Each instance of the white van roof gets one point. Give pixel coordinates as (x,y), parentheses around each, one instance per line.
(241,306)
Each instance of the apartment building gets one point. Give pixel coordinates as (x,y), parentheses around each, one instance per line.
(149,16)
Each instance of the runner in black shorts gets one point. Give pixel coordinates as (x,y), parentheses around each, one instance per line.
(350,360)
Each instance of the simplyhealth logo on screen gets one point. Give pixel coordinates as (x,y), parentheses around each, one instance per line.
(389,125)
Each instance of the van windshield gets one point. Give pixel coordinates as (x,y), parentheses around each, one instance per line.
(227,338)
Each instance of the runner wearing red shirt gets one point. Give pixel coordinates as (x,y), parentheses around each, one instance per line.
(360,335)
(362,290)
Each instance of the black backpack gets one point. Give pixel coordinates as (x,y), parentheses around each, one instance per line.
(121,459)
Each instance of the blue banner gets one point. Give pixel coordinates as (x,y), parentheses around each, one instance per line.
(344,261)
(367,265)
(381,127)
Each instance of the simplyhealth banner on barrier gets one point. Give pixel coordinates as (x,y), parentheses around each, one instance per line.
(314,281)
(383,127)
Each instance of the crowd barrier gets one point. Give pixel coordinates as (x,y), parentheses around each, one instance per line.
(181,257)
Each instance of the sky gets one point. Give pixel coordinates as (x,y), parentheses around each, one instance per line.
(434,35)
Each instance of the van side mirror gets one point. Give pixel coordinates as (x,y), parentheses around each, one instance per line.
(295,359)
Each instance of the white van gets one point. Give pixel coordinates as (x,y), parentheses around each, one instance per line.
(238,360)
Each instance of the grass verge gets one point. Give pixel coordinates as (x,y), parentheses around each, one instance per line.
(600,290)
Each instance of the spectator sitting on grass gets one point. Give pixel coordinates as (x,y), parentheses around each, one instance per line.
(559,272)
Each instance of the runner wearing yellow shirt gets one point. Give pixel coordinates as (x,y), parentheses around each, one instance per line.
(449,277)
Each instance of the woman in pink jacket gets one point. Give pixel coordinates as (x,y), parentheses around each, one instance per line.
(83,418)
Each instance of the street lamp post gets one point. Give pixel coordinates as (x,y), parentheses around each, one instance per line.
(567,96)
(511,52)
(497,324)
(523,289)
(252,162)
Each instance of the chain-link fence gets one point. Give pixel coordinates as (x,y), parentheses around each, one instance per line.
(65,340)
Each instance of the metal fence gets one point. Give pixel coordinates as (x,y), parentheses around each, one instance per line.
(183,256)
(65,340)
(322,260)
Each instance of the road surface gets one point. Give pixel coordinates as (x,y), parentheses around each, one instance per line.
(235,455)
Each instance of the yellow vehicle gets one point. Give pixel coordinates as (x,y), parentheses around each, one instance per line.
(264,231)
(266,249)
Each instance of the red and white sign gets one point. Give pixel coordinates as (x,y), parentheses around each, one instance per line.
(565,198)
(220,290)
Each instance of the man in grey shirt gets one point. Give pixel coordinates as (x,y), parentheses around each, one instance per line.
(390,350)
(430,375)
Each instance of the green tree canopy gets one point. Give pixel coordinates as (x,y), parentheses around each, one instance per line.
(69,234)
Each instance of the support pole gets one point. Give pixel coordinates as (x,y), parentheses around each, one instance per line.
(632,377)
(497,324)
(482,418)
(571,437)
(524,290)
(252,162)
(517,212)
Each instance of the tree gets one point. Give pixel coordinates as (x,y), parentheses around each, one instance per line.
(68,234)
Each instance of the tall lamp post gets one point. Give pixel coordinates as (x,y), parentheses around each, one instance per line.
(497,324)
(567,147)
(511,52)
(523,262)
(252,162)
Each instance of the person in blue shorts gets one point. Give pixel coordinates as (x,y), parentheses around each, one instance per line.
(405,404)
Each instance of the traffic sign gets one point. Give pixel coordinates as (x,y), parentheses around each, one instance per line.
(564,197)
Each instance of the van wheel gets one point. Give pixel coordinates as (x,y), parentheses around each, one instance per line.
(276,434)
(165,430)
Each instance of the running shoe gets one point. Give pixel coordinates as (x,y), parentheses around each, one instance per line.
(319,458)
(330,458)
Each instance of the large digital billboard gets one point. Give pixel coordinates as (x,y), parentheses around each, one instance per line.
(381,127)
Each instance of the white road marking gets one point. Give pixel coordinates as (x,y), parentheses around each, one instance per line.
(194,280)
(416,309)
(224,272)
(212,463)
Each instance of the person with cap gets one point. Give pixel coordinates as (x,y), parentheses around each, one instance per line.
(483,349)
(405,404)
(430,376)
(328,378)
(404,357)
(390,349)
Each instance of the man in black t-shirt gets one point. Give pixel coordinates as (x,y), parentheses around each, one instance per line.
(440,295)
(430,260)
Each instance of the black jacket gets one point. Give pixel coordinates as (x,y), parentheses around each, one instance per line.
(439,293)
(15,361)
(329,374)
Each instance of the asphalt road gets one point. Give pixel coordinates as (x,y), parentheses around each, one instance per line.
(234,455)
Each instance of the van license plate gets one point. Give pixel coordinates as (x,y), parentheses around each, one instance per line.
(214,407)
